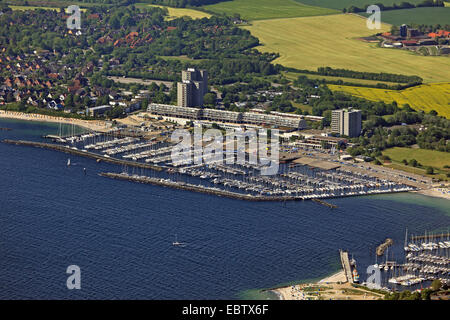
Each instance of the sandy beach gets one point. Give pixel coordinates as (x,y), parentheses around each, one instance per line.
(437,192)
(96,125)
(334,287)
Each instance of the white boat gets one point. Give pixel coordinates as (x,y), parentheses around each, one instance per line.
(68,162)
(177,244)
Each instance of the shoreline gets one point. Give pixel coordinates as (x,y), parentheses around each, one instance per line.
(95,125)
(332,287)
(435,192)
(102,126)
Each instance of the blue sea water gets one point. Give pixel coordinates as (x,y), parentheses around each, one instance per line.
(120,233)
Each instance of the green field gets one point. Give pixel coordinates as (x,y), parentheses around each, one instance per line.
(427,158)
(340,4)
(267,9)
(32,8)
(177,12)
(425,97)
(311,42)
(183,59)
(429,16)
(52,4)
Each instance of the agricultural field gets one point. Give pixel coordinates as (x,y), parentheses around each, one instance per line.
(35,8)
(32,8)
(424,97)
(427,158)
(50,4)
(340,4)
(332,41)
(178,12)
(267,9)
(429,16)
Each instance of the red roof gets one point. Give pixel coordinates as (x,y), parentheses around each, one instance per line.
(439,33)
(409,42)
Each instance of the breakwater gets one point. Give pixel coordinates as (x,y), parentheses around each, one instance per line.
(324,203)
(196,188)
(82,153)
(382,247)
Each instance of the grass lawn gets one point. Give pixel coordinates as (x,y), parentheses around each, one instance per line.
(177,12)
(424,97)
(427,158)
(428,16)
(182,59)
(312,42)
(267,9)
(302,107)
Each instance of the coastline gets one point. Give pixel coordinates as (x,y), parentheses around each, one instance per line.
(435,192)
(96,125)
(333,287)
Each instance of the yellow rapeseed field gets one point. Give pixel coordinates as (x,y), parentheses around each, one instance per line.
(178,12)
(425,97)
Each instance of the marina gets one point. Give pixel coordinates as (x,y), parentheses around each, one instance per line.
(144,219)
(304,178)
(426,258)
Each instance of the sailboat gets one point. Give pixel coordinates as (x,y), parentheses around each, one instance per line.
(406,248)
(176,243)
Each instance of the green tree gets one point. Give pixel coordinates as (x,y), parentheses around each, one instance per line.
(210,99)
(436,285)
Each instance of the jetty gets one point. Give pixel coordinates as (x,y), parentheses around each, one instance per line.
(82,153)
(329,205)
(431,236)
(195,188)
(382,247)
(346,265)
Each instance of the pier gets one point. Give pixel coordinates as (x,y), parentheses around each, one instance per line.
(329,205)
(431,236)
(82,153)
(346,265)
